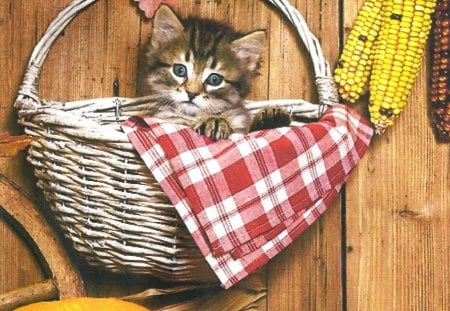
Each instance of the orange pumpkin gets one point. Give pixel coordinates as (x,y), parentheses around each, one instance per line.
(84,304)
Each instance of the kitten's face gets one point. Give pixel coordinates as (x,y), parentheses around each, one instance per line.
(192,83)
(198,67)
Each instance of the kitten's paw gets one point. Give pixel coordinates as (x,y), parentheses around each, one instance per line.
(214,127)
(269,118)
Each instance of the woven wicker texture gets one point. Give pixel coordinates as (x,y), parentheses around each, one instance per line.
(102,194)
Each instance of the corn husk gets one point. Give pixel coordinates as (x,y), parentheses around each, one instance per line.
(11,145)
(243,296)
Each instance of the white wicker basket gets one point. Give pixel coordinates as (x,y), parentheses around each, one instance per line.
(102,194)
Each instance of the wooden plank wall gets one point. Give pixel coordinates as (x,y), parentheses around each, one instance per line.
(384,246)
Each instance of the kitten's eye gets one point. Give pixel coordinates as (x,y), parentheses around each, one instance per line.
(214,79)
(180,70)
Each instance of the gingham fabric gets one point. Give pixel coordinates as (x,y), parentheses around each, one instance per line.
(246,198)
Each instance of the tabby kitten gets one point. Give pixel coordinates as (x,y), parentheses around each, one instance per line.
(199,70)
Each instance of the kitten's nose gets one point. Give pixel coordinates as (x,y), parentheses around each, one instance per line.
(192,95)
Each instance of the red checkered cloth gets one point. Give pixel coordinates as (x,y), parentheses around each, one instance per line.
(245,198)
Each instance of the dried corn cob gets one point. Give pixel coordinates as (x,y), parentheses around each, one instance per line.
(440,71)
(398,53)
(355,63)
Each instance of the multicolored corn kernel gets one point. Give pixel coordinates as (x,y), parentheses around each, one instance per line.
(398,52)
(355,63)
(440,71)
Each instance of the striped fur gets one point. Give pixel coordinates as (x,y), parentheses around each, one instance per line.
(200,70)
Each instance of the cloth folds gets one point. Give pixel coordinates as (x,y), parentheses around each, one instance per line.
(246,198)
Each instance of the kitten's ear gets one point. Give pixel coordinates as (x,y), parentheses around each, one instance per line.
(166,26)
(249,48)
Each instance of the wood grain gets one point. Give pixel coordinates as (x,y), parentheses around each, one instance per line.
(18,266)
(394,218)
(49,245)
(45,290)
(13,57)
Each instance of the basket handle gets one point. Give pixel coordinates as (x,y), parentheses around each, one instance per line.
(30,83)
(325,84)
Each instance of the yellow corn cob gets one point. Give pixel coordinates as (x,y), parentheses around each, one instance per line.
(355,63)
(398,53)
